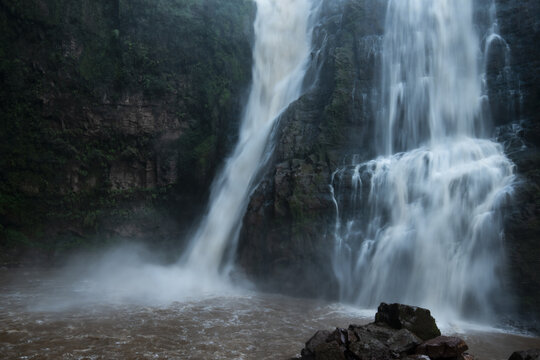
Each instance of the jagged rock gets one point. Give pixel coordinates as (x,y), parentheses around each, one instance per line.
(330,351)
(382,333)
(443,347)
(341,336)
(382,340)
(316,340)
(417,320)
(533,354)
(403,342)
(368,346)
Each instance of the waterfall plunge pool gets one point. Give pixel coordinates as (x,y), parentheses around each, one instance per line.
(46,316)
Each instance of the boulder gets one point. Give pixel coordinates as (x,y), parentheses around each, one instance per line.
(340,336)
(533,354)
(390,337)
(443,347)
(415,319)
(326,345)
(329,351)
(403,342)
(368,346)
(316,340)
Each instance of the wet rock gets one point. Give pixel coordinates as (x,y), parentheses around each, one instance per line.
(316,340)
(381,341)
(285,249)
(330,351)
(417,320)
(340,336)
(369,347)
(328,345)
(443,347)
(403,342)
(382,333)
(533,354)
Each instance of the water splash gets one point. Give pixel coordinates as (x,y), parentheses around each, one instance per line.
(421,224)
(281,54)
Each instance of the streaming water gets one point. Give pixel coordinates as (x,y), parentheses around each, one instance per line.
(281,52)
(421,224)
(44,317)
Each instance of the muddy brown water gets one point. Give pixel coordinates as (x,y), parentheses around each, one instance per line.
(243,326)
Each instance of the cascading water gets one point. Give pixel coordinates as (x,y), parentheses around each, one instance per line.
(421,224)
(281,53)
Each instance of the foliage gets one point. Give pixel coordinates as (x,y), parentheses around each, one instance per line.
(190,55)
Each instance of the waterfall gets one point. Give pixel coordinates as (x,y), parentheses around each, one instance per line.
(281,53)
(421,224)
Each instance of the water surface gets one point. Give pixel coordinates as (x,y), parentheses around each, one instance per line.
(242,326)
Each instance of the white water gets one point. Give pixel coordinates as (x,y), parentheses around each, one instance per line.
(281,53)
(421,224)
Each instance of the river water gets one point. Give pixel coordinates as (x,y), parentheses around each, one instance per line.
(43,316)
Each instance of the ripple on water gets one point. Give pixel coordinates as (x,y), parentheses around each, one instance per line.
(245,326)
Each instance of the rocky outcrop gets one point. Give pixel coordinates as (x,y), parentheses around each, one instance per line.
(287,234)
(443,347)
(516,109)
(388,339)
(417,320)
(533,354)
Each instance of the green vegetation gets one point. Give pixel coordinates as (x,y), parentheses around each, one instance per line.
(69,69)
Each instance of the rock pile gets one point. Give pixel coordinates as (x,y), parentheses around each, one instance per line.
(399,332)
(526,355)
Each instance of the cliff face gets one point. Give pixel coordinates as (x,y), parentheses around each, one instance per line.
(114,114)
(286,241)
(515,101)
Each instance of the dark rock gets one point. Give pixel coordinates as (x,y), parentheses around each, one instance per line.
(533,354)
(316,340)
(368,346)
(516,86)
(380,341)
(417,320)
(341,336)
(101,134)
(403,342)
(442,347)
(330,351)
(381,333)
(284,243)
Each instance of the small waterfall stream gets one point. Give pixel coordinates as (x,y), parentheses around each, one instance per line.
(281,54)
(421,224)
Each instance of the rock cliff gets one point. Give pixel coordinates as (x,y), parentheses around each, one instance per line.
(287,234)
(115,116)
(520,28)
